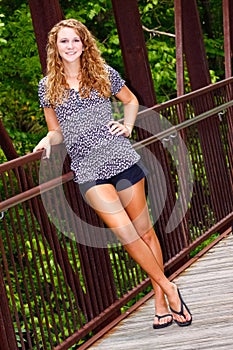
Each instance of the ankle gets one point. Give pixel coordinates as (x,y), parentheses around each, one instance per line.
(172,291)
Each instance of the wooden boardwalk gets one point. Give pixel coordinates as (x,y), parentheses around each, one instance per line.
(207,287)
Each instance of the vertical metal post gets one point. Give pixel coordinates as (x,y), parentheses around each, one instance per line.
(134,51)
(45,14)
(140,81)
(227,37)
(6,143)
(179,48)
(7,333)
(209,130)
(231,26)
(194,47)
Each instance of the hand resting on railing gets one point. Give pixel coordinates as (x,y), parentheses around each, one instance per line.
(53,137)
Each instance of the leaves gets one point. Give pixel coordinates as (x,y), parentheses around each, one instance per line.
(20,72)
(20,68)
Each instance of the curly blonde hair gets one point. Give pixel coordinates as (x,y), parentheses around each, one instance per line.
(93,71)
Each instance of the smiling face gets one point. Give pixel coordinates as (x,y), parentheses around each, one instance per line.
(69,45)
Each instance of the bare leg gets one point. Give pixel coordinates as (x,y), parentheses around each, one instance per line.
(107,203)
(139,215)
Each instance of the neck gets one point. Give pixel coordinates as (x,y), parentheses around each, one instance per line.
(72,71)
(72,76)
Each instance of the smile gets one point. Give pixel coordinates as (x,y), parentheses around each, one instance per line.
(71,53)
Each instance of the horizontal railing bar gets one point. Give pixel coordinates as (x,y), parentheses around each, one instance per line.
(221,225)
(170,131)
(148,296)
(29,194)
(111,309)
(190,95)
(99,320)
(35,191)
(20,161)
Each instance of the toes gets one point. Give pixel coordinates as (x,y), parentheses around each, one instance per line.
(162,321)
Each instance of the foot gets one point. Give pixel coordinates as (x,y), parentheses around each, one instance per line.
(162,321)
(180,311)
(163,316)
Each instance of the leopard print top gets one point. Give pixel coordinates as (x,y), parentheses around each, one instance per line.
(94,152)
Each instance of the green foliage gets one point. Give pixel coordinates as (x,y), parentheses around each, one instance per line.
(20,68)
(2,41)
(31,258)
(99,18)
(163,69)
(158,21)
(211,17)
(20,71)
(203,245)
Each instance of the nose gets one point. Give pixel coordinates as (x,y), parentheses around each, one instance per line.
(70,44)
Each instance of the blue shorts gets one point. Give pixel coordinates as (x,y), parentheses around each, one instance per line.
(120,181)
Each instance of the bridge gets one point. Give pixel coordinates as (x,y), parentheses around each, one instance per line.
(65,283)
(206,283)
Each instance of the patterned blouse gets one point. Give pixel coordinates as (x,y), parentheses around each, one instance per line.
(94,152)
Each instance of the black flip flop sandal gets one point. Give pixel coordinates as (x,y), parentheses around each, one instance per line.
(181,312)
(163,325)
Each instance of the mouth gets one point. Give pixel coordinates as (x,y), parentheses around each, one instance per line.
(71,53)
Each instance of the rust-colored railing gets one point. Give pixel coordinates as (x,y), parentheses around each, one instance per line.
(63,276)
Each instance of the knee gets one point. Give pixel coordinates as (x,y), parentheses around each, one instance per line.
(148,236)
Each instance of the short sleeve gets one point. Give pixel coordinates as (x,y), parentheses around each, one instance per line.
(42,94)
(116,81)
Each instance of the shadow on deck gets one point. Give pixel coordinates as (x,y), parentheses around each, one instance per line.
(207,286)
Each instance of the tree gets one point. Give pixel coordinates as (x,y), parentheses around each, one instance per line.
(19,73)
(20,68)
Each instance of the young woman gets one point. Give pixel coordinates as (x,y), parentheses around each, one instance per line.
(75,95)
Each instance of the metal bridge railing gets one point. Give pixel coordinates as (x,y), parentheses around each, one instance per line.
(63,277)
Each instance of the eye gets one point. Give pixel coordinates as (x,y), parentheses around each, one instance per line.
(63,41)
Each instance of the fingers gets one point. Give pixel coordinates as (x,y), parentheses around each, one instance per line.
(47,151)
(44,144)
(118,129)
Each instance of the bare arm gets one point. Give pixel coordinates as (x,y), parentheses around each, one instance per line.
(54,135)
(54,131)
(130,113)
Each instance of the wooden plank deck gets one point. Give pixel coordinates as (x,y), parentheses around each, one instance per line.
(207,286)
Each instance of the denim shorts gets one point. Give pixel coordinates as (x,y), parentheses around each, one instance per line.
(120,181)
